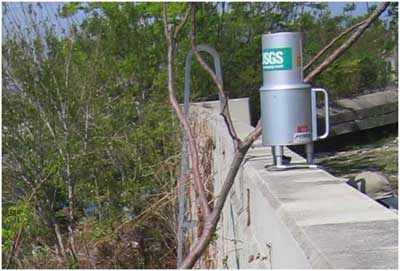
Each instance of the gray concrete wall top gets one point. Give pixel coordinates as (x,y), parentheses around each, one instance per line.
(330,224)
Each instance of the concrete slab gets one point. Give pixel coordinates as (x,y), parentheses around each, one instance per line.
(361,245)
(361,112)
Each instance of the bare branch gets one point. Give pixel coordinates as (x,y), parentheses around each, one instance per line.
(250,138)
(339,51)
(194,154)
(15,245)
(33,102)
(166,32)
(68,61)
(331,43)
(200,245)
(232,133)
(363,25)
(18,238)
(182,24)
(211,221)
(222,97)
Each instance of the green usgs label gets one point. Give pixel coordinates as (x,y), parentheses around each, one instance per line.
(275,59)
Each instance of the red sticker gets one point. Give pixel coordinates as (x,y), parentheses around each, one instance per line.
(302,128)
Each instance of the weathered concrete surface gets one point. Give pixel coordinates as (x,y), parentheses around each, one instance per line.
(303,218)
(362,112)
(240,108)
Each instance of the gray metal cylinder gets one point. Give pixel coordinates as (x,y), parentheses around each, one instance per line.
(285,98)
(282,59)
(286,116)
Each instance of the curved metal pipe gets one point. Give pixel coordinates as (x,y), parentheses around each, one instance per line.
(181,196)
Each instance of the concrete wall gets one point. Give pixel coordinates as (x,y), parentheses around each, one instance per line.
(303,218)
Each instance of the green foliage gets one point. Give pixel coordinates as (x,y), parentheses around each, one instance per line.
(69,8)
(14,217)
(89,110)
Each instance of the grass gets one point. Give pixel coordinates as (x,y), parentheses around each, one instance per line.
(380,155)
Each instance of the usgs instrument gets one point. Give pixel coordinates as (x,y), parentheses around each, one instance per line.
(288,104)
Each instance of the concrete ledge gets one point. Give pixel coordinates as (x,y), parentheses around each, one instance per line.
(302,218)
(362,112)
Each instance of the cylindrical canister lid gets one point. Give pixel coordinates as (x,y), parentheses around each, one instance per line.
(282,61)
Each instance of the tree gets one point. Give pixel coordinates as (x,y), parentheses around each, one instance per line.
(90,147)
(83,139)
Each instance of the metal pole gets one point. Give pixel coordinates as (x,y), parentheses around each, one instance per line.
(279,155)
(182,177)
(310,153)
(273,155)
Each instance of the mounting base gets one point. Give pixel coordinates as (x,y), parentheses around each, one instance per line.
(291,167)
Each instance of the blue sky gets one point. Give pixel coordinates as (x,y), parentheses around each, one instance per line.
(361,7)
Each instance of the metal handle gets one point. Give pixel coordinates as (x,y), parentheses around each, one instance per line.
(314,113)
(218,71)
(188,63)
